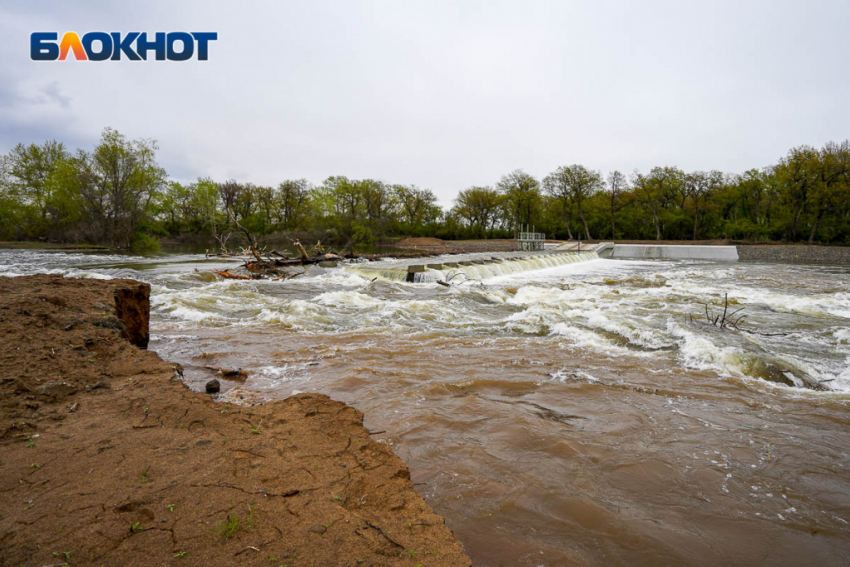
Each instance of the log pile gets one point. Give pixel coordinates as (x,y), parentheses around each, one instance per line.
(272,265)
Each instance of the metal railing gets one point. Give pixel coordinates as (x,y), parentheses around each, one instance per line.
(529,241)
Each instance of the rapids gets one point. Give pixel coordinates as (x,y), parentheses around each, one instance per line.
(578,414)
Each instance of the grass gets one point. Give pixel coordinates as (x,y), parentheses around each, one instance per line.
(144,475)
(256,430)
(136,527)
(233,524)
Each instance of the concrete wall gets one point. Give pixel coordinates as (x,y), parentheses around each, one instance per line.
(674,252)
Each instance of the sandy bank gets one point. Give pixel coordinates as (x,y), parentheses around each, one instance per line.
(107,459)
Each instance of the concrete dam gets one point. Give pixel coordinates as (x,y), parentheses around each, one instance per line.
(484,265)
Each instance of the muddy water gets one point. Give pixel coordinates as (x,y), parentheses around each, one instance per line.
(580,415)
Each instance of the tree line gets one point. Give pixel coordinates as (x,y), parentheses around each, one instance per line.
(118,195)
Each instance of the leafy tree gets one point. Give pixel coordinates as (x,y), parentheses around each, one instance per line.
(521,200)
(479,206)
(572,186)
(118,182)
(618,185)
(417,207)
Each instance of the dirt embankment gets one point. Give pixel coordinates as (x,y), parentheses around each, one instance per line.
(107,459)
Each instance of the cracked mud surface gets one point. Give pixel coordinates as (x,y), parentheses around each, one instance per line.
(107,459)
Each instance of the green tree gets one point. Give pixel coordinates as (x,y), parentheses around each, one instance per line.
(656,191)
(572,186)
(417,207)
(32,182)
(521,199)
(479,206)
(118,183)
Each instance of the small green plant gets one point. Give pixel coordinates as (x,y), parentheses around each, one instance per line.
(256,430)
(136,527)
(144,475)
(229,526)
(30,442)
(181,425)
(65,554)
(170,507)
(180,555)
(232,524)
(35,465)
(146,411)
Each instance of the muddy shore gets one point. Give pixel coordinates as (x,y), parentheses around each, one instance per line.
(108,459)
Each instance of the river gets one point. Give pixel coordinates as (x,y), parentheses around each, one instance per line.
(585,414)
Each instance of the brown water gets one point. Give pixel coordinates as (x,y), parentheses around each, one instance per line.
(573,416)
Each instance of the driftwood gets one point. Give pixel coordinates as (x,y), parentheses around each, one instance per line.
(226,274)
(304,255)
(285,277)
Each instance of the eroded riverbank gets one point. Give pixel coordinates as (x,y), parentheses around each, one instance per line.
(107,459)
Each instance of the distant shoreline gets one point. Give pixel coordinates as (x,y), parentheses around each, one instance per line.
(29,245)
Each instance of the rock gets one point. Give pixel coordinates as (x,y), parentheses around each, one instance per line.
(213,386)
(318,529)
(133,308)
(56,390)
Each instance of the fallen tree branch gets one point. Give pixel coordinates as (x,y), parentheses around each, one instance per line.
(226,274)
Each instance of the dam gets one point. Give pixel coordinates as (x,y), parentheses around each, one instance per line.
(469,267)
(485,265)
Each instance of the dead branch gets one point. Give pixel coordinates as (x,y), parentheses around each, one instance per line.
(304,255)
(284,277)
(226,274)
(724,320)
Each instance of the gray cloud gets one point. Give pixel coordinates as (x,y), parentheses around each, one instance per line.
(443,94)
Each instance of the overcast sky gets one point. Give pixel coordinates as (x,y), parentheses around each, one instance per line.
(443,95)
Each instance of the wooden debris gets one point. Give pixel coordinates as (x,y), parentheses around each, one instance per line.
(226,274)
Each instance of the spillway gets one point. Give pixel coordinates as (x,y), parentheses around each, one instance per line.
(472,267)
